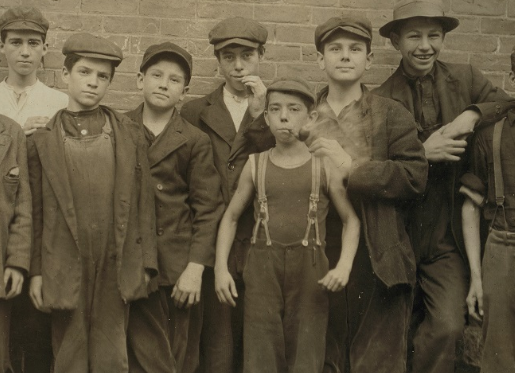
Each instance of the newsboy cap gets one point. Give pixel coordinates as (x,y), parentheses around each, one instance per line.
(169,48)
(407,9)
(238,30)
(87,45)
(352,23)
(24,18)
(292,85)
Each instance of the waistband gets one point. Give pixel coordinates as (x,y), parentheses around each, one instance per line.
(501,237)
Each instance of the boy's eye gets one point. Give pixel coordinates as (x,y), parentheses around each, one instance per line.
(103,77)
(156,75)
(273,109)
(34,43)
(83,72)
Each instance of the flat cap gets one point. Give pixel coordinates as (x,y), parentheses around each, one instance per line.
(354,24)
(238,30)
(292,85)
(24,18)
(168,48)
(87,45)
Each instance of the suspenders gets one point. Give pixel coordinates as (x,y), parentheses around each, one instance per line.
(498,177)
(263,217)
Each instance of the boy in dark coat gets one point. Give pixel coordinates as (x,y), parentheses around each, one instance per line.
(447,100)
(188,204)
(226,115)
(94,231)
(15,226)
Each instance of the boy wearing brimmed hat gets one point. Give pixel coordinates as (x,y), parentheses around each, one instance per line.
(447,100)
(24,97)
(286,275)
(384,166)
(188,205)
(225,115)
(94,232)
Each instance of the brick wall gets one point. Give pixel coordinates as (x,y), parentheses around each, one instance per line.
(484,38)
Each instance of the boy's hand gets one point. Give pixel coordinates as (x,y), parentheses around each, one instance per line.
(225,287)
(33,123)
(186,291)
(257,94)
(36,293)
(475,297)
(441,148)
(331,149)
(462,126)
(336,279)
(13,281)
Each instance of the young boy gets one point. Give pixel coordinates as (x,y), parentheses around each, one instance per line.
(226,115)
(94,231)
(285,306)
(437,94)
(188,205)
(387,168)
(24,97)
(490,186)
(15,226)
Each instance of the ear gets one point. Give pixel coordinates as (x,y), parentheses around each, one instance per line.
(512,78)
(394,39)
(139,80)
(320,61)
(185,91)
(370,58)
(45,49)
(313,116)
(65,75)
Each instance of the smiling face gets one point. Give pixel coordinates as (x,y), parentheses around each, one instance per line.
(236,62)
(23,51)
(163,84)
(286,114)
(344,58)
(87,83)
(419,40)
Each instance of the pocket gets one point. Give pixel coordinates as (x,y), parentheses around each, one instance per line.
(11,184)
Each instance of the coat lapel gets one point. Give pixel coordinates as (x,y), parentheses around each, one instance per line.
(5,143)
(401,91)
(448,87)
(50,147)
(240,140)
(167,142)
(217,117)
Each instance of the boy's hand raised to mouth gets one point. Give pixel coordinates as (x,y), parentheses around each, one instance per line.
(257,94)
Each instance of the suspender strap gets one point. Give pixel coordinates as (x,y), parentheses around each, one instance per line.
(263,216)
(313,202)
(498,177)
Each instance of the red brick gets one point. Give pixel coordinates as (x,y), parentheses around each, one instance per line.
(74,22)
(281,52)
(369,4)
(110,6)
(309,71)
(295,34)
(51,5)
(205,67)
(507,44)
(54,60)
(204,86)
(497,26)
(454,56)
(511,8)
(267,71)
(468,25)
(309,53)
(491,62)
(187,28)
(310,2)
(130,64)
(122,101)
(464,42)
(224,10)
(282,13)
(386,57)
(124,42)
(168,9)
(125,82)
(131,25)
(377,75)
(198,48)
(497,79)
(478,7)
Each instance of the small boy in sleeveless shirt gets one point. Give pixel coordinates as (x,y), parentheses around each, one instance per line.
(286,276)
(93,212)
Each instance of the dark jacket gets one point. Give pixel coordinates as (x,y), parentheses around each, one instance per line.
(56,252)
(458,86)
(230,153)
(15,200)
(188,200)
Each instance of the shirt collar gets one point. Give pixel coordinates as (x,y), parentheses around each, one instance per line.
(26,89)
(411,78)
(362,102)
(234,98)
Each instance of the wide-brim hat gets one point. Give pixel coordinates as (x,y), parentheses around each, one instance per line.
(407,9)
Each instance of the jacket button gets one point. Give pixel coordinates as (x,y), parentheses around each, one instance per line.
(159,187)
(138,240)
(230,166)
(160,231)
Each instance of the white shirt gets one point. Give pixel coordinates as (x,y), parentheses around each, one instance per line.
(237,107)
(36,100)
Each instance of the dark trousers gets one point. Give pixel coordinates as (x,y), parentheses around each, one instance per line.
(439,313)
(5,322)
(285,309)
(499,303)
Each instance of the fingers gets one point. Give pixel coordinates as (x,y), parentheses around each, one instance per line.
(15,280)
(30,132)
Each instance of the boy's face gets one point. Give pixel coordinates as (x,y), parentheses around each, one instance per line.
(87,83)
(419,40)
(236,62)
(23,51)
(163,85)
(286,114)
(345,58)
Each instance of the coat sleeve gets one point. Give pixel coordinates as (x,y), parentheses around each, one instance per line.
(206,201)
(20,228)
(404,174)
(36,188)
(492,102)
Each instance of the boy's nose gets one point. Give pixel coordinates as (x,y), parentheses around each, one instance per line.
(25,49)
(424,43)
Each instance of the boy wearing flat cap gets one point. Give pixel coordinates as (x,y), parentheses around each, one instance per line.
(188,204)
(447,100)
(286,275)
(226,115)
(93,211)
(384,166)
(24,97)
